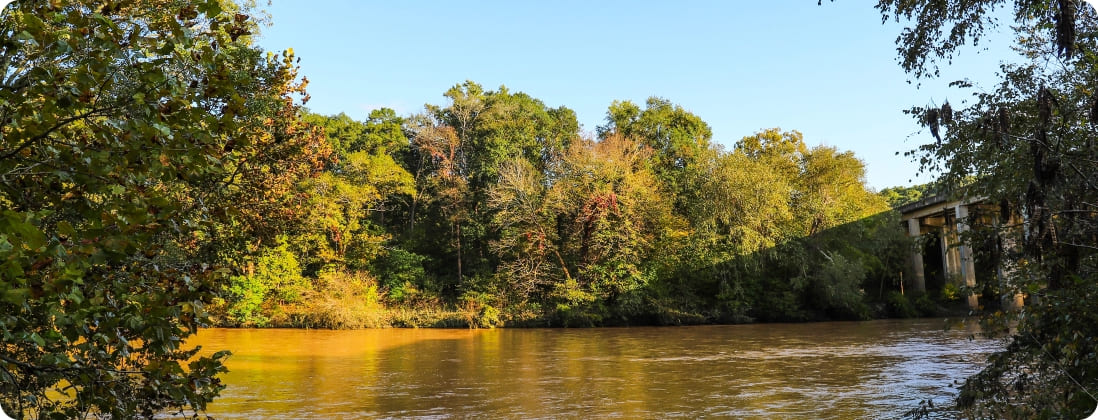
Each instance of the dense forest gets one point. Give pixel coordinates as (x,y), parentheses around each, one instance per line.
(159,173)
(495,209)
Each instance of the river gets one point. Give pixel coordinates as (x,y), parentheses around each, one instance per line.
(875,369)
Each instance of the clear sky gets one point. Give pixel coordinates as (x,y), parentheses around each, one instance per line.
(828,71)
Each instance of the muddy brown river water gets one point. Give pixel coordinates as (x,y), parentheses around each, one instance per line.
(875,369)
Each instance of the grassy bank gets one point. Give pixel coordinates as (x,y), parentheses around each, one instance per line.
(340,300)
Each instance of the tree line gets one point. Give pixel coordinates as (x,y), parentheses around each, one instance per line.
(495,209)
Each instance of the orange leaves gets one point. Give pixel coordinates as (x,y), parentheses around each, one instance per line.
(599,205)
(442,144)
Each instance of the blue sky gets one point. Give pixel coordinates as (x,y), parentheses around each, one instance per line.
(828,71)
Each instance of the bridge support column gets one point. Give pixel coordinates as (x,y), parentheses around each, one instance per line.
(917,282)
(951,260)
(967,265)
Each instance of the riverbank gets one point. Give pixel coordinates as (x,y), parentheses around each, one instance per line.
(349,311)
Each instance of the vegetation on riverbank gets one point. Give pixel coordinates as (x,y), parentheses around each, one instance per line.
(495,209)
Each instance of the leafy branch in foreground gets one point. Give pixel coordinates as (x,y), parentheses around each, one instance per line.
(1029,145)
(135,136)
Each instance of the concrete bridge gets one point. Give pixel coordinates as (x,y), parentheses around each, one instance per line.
(948,218)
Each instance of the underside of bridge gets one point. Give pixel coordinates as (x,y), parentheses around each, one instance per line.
(941,261)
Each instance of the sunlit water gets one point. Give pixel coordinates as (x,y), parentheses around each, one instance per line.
(877,369)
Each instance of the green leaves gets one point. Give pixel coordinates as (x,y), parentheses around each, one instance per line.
(210,7)
(120,175)
(39,341)
(1012,146)
(16,296)
(21,231)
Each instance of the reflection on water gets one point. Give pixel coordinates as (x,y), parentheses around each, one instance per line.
(840,370)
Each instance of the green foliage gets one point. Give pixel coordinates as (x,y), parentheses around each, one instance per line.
(1028,145)
(787,232)
(273,279)
(400,271)
(831,191)
(926,306)
(382,133)
(1054,347)
(247,294)
(141,141)
(278,268)
(837,287)
(679,140)
(773,230)
(898,196)
(347,203)
(900,306)
(745,201)
(951,292)
(489,317)
(457,154)
(478,310)
(342,231)
(678,137)
(732,301)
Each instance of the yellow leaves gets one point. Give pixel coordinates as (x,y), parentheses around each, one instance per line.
(676,234)
(380,171)
(441,143)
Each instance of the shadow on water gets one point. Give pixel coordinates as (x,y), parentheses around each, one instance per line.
(872,369)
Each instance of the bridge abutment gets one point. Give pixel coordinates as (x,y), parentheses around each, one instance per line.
(966,262)
(917,281)
(949,218)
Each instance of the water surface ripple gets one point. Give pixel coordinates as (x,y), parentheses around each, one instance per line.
(876,369)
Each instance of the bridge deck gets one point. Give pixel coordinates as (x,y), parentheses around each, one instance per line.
(933,205)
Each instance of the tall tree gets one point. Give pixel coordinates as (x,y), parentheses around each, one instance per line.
(613,218)
(345,223)
(440,177)
(489,129)
(783,150)
(529,245)
(140,139)
(680,141)
(746,202)
(831,190)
